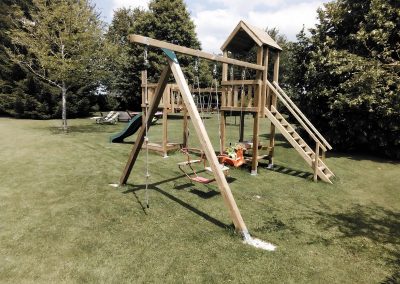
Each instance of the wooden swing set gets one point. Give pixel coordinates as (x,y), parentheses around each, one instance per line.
(258,97)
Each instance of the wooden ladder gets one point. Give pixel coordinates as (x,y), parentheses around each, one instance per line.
(305,151)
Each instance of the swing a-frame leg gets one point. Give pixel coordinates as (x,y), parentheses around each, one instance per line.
(206,144)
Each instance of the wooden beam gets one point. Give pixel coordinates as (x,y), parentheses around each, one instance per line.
(207,146)
(243,109)
(162,83)
(189,51)
(241,82)
(264,96)
(274,104)
(256,124)
(225,67)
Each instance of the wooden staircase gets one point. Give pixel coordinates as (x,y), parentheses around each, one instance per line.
(287,130)
(311,157)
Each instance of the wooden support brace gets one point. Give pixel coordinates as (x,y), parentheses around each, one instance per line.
(162,83)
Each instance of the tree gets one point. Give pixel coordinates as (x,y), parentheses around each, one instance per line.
(165,20)
(60,43)
(120,65)
(348,75)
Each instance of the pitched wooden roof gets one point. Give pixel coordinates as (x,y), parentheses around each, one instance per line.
(244,36)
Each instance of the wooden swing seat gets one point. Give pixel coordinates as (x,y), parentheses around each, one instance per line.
(202,180)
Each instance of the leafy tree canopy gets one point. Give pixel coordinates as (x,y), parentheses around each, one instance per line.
(347,75)
(165,20)
(61,44)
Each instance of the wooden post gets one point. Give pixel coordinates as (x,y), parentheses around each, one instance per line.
(185,128)
(206,145)
(316,158)
(225,67)
(241,127)
(276,78)
(222,130)
(256,124)
(273,102)
(144,96)
(264,88)
(149,116)
(165,131)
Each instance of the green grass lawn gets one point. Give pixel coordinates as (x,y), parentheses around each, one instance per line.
(60,221)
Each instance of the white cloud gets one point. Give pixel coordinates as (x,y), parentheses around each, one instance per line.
(128,3)
(215,19)
(289,20)
(214,26)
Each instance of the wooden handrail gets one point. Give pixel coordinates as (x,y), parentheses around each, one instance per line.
(295,115)
(194,52)
(303,116)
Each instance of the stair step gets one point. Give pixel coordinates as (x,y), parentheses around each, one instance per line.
(329,175)
(297,138)
(303,145)
(309,153)
(290,131)
(322,168)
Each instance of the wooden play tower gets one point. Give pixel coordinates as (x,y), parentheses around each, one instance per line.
(260,97)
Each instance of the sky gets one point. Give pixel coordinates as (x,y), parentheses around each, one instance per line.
(215,19)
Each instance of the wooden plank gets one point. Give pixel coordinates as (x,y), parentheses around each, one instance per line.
(229,99)
(235,96)
(149,116)
(207,148)
(189,51)
(225,67)
(241,82)
(223,96)
(243,109)
(250,96)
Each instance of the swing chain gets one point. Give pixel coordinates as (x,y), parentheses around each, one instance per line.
(214,71)
(145,57)
(196,66)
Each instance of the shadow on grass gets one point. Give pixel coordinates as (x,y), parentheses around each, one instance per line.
(154,186)
(288,171)
(134,188)
(380,225)
(95,128)
(363,157)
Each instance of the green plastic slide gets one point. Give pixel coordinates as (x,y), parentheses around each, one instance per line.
(134,124)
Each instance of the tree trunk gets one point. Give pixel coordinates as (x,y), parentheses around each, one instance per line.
(64,107)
